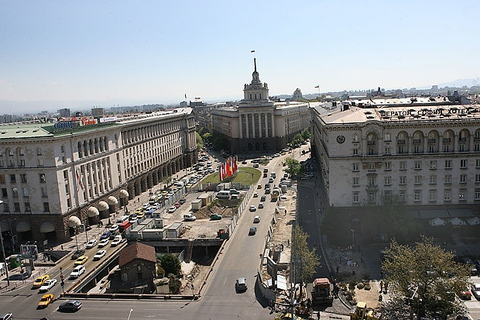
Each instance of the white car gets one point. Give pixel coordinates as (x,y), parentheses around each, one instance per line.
(103,243)
(116,240)
(256,219)
(100,254)
(114,228)
(172,209)
(48,285)
(253,208)
(77,272)
(91,244)
(260,205)
(283,197)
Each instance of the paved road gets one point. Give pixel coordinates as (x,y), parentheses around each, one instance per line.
(240,258)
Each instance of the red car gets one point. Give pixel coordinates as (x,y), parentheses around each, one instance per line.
(177,204)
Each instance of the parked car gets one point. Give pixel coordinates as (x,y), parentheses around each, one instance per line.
(40,281)
(241,285)
(189,217)
(45,301)
(100,254)
(92,243)
(48,285)
(7,316)
(252,231)
(172,209)
(465,294)
(113,228)
(255,195)
(256,219)
(252,208)
(263,198)
(70,305)
(77,272)
(476,290)
(260,205)
(215,217)
(103,243)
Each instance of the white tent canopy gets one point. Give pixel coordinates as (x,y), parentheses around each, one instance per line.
(457,222)
(437,222)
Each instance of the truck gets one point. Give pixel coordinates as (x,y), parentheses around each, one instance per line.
(362,312)
(274,194)
(320,291)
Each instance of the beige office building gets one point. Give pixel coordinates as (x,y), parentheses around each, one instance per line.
(423,152)
(54,177)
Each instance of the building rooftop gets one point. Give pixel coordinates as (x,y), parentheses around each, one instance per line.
(396,113)
(80,125)
(136,250)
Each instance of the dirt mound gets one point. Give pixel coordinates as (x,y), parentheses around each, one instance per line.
(219,207)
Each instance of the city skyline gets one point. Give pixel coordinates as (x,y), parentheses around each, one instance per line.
(107,54)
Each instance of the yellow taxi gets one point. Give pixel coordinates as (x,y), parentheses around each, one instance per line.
(140,214)
(45,301)
(40,281)
(81,260)
(138,210)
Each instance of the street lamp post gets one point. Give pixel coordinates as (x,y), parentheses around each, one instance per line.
(353,238)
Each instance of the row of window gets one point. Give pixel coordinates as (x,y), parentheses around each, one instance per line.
(418,165)
(22,177)
(26,206)
(417,196)
(148,132)
(418,180)
(92,146)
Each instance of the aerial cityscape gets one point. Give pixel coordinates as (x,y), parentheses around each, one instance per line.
(227,160)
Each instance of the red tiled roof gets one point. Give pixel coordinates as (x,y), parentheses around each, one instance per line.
(136,250)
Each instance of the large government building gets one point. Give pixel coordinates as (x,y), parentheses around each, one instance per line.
(423,152)
(258,124)
(55,177)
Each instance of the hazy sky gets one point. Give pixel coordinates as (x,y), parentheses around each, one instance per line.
(119,52)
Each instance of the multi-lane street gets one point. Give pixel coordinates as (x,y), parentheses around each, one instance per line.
(239,258)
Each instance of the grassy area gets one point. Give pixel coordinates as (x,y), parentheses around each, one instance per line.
(244,175)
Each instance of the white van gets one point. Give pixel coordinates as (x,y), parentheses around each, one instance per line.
(223,194)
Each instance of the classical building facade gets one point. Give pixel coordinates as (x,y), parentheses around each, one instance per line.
(423,152)
(258,124)
(55,177)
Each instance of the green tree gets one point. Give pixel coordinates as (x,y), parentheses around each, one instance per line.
(427,277)
(305,260)
(170,264)
(306,134)
(293,167)
(207,136)
(199,141)
(297,139)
